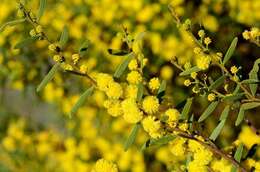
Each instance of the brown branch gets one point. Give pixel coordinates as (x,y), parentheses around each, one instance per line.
(212,147)
(82,74)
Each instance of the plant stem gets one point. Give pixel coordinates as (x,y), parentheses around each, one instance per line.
(211,147)
(199,82)
(34,23)
(82,74)
(222,67)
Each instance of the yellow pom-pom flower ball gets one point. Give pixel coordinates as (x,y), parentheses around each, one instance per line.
(150,104)
(114,90)
(211,97)
(103,165)
(173,114)
(131,112)
(134,77)
(234,69)
(133,65)
(203,62)
(154,84)
(113,107)
(103,80)
(152,126)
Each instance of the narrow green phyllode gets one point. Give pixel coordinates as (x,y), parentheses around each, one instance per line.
(131,139)
(230,50)
(48,77)
(81,100)
(123,66)
(41,10)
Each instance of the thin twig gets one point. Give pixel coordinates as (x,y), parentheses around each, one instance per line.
(199,82)
(34,23)
(212,147)
(82,74)
(222,67)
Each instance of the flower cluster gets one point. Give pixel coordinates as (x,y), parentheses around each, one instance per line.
(253,35)
(103,165)
(147,93)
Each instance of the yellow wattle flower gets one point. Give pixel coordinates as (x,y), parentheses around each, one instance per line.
(203,62)
(133,65)
(150,104)
(134,77)
(154,84)
(103,165)
(173,114)
(211,97)
(103,80)
(131,112)
(152,126)
(114,90)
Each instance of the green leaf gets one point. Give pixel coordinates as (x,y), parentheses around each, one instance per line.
(145,145)
(141,59)
(25,42)
(162,140)
(140,92)
(117,52)
(225,113)
(158,142)
(188,160)
(217,83)
(4,167)
(217,130)
(210,80)
(244,107)
(230,50)
(48,77)
(191,122)
(236,90)
(140,36)
(190,70)
(253,74)
(11,23)
(161,90)
(234,169)
(64,36)
(251,81)
(186,109)
(251,105)
(239,152)
(208,111)
(84,47)
(240,116)
(131,139)
(238,155)
(42,7)
(233,97)
(253,87)
(123,66)
(81,100)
